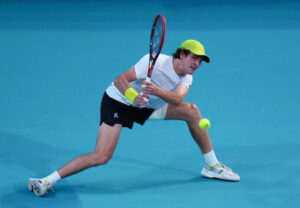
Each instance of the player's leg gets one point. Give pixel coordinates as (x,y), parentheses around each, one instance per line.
(106,143)
(191,114)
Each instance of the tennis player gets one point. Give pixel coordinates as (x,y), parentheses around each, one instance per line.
(122,105)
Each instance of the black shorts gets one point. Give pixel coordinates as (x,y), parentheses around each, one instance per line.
(114,112)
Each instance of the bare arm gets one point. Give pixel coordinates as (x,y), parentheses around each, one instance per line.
(173,97)
(122,82)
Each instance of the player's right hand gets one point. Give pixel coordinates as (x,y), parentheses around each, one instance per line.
(139,100)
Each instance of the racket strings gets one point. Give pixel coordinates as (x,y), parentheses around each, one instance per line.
(157,36)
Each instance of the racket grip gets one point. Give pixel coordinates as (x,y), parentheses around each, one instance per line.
(142,94)
(148,79)
(146,100)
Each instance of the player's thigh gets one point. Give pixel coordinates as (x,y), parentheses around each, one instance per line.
(183,111)
(107,139)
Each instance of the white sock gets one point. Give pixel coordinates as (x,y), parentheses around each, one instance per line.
(211,159)
(53,178)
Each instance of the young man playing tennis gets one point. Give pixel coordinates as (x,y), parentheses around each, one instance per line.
(123,104)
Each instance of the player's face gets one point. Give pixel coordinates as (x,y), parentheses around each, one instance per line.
(191,63)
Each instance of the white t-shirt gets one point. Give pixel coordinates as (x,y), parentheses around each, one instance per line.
(163,76)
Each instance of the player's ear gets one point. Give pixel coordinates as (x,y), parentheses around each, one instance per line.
(181,56)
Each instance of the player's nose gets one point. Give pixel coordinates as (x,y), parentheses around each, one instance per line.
(198,63)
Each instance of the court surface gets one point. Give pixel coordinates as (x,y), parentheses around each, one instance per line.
(58,57)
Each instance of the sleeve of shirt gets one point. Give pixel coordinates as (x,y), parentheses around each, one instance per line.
(141,67)
(187,80)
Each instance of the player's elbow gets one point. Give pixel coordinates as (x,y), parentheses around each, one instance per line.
(117,80)
(123,79)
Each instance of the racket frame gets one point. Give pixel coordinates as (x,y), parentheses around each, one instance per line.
(153,55)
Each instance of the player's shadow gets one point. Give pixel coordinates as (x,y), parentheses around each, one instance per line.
(23,152)
(156,177)
(131,185)
(169,176)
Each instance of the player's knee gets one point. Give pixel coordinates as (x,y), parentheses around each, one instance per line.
(100,159)
(193,111)
(185,111)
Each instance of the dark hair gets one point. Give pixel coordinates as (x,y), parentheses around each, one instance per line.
(180,51)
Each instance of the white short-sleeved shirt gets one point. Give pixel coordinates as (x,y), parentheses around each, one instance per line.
(163,76)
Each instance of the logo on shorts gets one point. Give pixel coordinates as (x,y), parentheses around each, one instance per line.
(116,115)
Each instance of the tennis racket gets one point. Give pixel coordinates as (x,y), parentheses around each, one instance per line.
(156,43)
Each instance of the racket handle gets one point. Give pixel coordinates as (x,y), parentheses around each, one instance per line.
(148,79)
(146,100)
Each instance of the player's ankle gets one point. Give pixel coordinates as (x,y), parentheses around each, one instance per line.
(52,178)
(211,159)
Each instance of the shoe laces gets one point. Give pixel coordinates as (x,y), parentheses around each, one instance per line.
(224,166)
(47,185)
(220,165)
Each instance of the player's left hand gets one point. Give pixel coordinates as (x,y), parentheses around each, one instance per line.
(150,89)
(139,100)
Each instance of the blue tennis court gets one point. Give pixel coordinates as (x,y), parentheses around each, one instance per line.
(58,57)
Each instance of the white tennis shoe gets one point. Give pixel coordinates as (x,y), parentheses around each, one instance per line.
(219,171)
(39,186)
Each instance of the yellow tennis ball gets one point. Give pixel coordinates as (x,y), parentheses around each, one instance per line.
(204,123)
